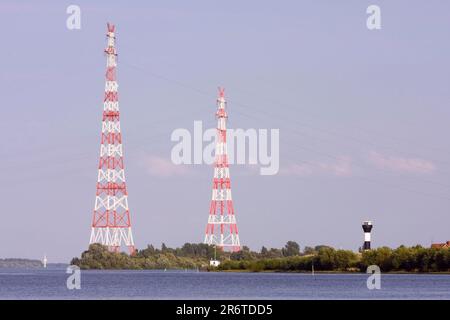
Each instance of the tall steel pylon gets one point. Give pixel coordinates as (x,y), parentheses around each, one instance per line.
(111,224)
(221,229)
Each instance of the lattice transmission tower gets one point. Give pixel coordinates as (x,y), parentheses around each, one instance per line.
(111,224)
(221,229)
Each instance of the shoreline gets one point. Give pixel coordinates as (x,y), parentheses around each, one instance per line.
(180,270)
(332,272)
(269,271)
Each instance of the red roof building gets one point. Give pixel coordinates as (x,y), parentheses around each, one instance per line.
(441,245)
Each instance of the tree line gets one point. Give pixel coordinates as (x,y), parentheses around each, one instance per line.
(288,259)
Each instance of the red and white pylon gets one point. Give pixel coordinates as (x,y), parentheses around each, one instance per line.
(221,229)
(111,225)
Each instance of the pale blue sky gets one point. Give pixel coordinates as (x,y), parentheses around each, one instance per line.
(363,118)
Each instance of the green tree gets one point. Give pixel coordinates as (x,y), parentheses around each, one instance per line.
(322,246)
(275,253)
(291,249)
(309,250)
(264,252)
(326,259)
(243,254)
(403,258)
(381,257)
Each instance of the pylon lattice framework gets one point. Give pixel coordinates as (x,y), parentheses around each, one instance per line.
(111,224)
(221,229)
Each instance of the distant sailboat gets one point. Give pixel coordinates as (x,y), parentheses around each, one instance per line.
(44,261)
(312,268)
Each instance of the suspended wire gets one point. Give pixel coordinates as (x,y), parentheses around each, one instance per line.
(294,130)
(392,185)
(76,157)
(331,133)
(328,132)
(252,116)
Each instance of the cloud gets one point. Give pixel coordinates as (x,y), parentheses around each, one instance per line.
(400,164)
(163,167)
(342,167)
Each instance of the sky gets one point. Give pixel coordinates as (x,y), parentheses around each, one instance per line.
(363,118)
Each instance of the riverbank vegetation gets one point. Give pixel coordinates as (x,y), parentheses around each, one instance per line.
(287,259)
(20,263)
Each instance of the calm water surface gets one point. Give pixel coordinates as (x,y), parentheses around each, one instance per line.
(51,284)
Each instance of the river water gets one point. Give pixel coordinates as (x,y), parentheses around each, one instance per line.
(51,284)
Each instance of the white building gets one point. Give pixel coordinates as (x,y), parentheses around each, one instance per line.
(214,263)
